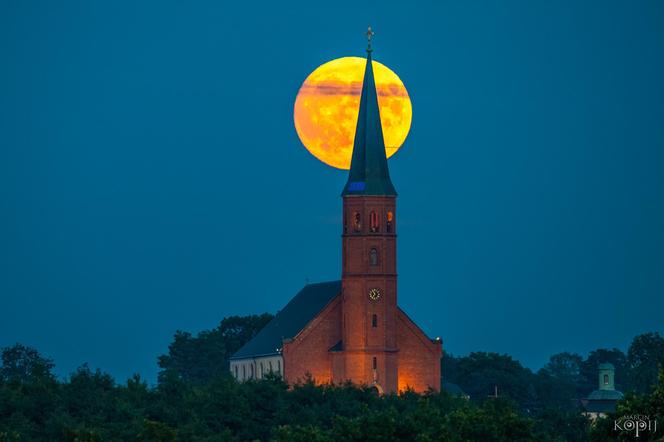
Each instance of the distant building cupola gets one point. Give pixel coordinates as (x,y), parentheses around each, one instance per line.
(604,399)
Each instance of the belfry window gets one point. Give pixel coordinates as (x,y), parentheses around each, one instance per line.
(345,223)
(390,221)
(374,321)
(606,379)
(373,257)
(357,222)
(375,363)
(374,224)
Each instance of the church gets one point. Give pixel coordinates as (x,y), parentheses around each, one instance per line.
(352,329)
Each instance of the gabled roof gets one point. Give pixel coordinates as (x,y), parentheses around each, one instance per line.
(608,395)
(290,320)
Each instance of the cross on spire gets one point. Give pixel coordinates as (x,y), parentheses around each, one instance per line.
(369,35)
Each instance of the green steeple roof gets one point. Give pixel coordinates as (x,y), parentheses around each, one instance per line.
(369,174)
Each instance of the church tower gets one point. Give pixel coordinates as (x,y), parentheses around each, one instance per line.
(369,271)
(352,330)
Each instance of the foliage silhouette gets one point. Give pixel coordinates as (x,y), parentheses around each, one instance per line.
(197,399)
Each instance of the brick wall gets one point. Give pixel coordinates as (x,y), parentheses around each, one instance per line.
(418,357)
(309,352)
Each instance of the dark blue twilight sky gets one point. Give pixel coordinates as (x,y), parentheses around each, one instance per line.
(151,178)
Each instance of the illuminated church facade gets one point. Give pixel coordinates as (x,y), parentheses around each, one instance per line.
(352,329)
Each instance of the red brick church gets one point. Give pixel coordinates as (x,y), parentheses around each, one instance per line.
(352,329)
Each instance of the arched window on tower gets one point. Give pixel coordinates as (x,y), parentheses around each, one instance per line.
(390,222)
(374,321)
(606,379)
(373,257)
(375,363)
(374,224)
(357,222)
(345,223)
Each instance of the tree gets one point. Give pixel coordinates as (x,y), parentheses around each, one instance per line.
(554,393)
(558,382)
(448,368)
(200,358)
(89,395)
(564,367)
(154,431)
(644,357)
(496,420)
(95,408)
(21,363)
(479,373)
(557,424)
(29,392)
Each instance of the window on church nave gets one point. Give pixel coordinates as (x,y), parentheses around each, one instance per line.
(279,366)
(235,371)
(374,225)
(373,257)
(270,366)
(244,372)
(252,371)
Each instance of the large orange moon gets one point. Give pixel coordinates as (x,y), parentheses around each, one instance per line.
(328,102)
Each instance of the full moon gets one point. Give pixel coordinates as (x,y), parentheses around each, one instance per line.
(328,103)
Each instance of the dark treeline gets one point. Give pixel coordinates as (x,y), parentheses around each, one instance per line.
(566,377)
(195,398)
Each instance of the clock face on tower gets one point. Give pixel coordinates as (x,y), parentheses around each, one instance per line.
(374,294)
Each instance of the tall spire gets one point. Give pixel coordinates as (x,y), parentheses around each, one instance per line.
(369,174)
